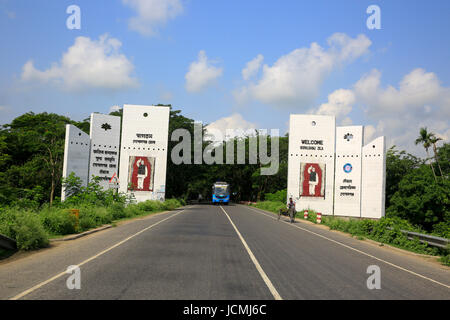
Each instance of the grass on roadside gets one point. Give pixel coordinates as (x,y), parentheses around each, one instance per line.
(32,230)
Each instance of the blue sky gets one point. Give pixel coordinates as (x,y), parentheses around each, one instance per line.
(192,54)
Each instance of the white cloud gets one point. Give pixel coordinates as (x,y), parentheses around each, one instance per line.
(418,92)
(296,78)
(399,112)
(202,73)
(252,67)
(234,122)
(418,101)
(151,14)
(340,104)
(88,64)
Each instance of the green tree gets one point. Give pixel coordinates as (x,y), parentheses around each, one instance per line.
(35,149)
(425,139)
(420,200)
(398,164)
(434,140)
(444,157)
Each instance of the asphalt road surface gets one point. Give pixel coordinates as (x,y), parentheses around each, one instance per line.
(221,252)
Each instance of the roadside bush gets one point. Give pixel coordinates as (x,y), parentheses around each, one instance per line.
(151,205)
(442,229)
(58,221)
(445,260)
(30,234)
(25,227)
(31,229)
(86,222)
(312,215)
(92,217)
(334,223)
(171,204)
(118,211)
(279,196)
(385,230)
(133,210)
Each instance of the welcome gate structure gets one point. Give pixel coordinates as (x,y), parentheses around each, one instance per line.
(331,172)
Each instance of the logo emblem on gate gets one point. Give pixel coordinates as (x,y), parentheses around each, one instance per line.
(348,168)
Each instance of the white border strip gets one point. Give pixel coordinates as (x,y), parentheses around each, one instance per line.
(264,276)
(26,292)
(354,249)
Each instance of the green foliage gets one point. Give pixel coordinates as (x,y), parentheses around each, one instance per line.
(279,196)
(312,215)
(443,154)
(96,207)
(398,164)
(150,206)
(25,227)
(385,230)
(421,200)
(118,211)
(58,221)
(442,229)
(73,185)
(92,194)
(171,204)
(445,260)
(32,150)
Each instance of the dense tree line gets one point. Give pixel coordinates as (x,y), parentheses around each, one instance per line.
(32,151)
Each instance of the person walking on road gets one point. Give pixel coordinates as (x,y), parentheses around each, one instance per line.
(291,209)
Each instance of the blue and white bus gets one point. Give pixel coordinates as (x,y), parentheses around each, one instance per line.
(221,193)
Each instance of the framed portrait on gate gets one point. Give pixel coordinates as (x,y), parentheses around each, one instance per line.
(312,180)
(141,173)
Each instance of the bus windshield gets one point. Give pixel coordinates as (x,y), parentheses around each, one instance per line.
(220,190)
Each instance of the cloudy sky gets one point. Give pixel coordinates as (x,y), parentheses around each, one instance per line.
(233,64)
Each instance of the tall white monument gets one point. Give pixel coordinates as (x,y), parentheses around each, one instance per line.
(311,162)
(347,182)
(143,156)
(105,148)
(331,172)
(76,155)
(373,179)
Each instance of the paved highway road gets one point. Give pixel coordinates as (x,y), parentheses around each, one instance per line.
(229,252)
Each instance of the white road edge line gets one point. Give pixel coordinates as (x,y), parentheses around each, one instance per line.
(263,275)
(359,251)
(26,292)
